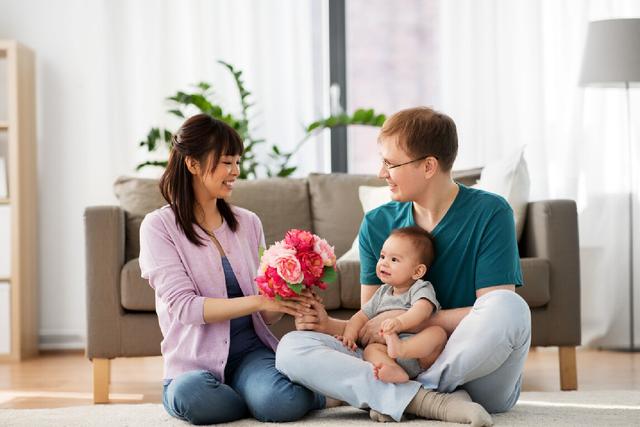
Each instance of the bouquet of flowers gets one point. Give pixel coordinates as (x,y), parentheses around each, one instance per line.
(301,260)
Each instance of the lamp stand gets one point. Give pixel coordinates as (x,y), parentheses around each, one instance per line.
(631,258)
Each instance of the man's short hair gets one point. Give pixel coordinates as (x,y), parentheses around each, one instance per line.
(423,131)
(422,241)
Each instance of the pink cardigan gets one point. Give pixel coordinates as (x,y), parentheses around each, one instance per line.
(183,275)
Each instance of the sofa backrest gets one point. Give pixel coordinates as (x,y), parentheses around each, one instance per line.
(280,203)
(335,206)
(327,204)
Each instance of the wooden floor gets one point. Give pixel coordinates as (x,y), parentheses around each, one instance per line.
(58,379)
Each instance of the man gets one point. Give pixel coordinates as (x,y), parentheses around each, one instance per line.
(475,273)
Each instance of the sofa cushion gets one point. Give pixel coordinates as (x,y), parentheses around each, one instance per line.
(535,272)
(138,197)
(336,208)
(280,203)
(135,292)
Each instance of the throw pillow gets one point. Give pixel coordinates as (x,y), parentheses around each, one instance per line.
(370,198)
(508,177)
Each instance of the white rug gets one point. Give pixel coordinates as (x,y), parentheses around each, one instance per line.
(596,408)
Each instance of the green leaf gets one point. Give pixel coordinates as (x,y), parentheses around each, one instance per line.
(284,172)
(162,164)
(313,126)
(177,113)
(329,275)
(359,115)
(260,251)
(278,298)
(296,287)
(331,121)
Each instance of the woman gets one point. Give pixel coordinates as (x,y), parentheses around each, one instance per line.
(200,255)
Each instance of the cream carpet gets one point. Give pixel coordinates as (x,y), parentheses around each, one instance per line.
(594,408)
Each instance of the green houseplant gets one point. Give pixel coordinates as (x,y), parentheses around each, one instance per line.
(202,99)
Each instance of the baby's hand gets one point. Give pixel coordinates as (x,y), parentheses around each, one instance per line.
(391,326)
(349,342)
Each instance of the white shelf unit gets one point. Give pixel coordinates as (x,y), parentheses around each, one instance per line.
(18,208)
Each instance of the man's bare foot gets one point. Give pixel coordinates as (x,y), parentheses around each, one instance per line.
(394,345)
(390,373)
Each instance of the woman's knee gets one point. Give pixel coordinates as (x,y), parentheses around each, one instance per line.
(199,398)
(268,405)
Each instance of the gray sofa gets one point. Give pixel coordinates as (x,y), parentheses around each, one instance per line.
(121,319)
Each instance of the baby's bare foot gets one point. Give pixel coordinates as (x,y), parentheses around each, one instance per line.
(394,345)
(392,374)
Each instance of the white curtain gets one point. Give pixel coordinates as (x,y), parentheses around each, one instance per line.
(104,69)
(509,76)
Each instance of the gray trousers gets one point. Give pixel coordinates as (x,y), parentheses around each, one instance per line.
(485,355)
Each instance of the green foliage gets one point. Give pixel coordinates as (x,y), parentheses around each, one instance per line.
(202,100)
(295,287)
(329,275)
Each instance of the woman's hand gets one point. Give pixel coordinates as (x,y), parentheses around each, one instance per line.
(296,306)
(370,332)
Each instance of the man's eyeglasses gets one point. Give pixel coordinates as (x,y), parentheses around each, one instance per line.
(389,166)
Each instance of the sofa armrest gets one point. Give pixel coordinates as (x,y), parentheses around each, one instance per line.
(551,233)
(104,229)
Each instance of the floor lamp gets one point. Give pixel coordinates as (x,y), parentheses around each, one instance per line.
(612,59)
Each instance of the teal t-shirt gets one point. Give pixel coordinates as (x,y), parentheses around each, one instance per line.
(475,243)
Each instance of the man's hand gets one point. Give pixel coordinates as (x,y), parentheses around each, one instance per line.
(370,332)
(317,318)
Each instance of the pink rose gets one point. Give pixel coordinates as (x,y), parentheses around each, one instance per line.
(271,255)
(311,263)
(322,248)
(271,284)
(300,239)
(265,287)
(288,267)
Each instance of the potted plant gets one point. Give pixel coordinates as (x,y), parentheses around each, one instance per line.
(202,99)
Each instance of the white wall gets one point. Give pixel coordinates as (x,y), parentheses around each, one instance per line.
(104,69)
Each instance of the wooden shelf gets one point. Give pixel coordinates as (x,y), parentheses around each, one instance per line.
(18,129)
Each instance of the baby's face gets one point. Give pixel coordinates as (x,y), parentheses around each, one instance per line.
(398,262)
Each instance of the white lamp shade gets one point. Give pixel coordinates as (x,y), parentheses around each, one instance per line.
(612,53)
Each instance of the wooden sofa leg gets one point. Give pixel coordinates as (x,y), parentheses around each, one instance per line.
(568,368)
(101,380)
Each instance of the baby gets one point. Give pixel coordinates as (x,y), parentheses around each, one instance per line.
(404,259)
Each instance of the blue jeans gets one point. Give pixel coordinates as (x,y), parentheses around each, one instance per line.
(253,387)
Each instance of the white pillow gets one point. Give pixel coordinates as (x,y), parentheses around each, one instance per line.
(508,177)
(370,198)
